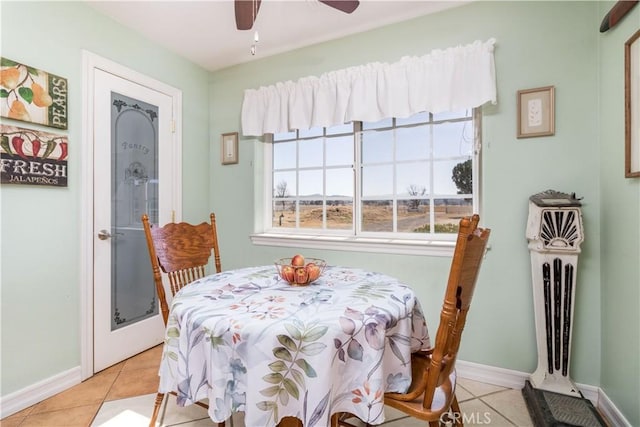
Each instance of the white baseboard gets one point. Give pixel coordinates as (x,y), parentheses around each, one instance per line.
(611,412)
(516,379)
(21,399)
(491,374)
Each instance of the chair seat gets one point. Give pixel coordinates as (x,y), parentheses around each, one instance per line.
(440,397)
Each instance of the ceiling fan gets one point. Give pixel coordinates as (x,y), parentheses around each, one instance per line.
(247,10)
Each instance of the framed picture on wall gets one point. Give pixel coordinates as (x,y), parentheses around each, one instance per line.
(536,112)
(632,106)
(229,148)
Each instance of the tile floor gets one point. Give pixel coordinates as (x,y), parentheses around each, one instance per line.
(123,396)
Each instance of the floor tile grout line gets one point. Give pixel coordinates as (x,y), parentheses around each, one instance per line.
(22,421)
(470,394)
(40,414)
(462,387)
(491,393)
(33,407)
(494,392)
(104,398)
(478,396)
(498,412)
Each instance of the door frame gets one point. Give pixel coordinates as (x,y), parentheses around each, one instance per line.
(90,62)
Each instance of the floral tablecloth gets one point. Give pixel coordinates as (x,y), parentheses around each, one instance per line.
(248,341)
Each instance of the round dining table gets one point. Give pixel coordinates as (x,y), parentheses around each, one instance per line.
(248,341)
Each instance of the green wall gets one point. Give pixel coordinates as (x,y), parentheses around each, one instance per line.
(41,225)
(538,44)
(620,223)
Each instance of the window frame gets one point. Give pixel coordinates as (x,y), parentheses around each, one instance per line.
(346,240)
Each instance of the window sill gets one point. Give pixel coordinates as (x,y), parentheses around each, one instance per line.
(361,244)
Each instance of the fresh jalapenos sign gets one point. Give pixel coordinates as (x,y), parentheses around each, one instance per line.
(31,157)
(31,95)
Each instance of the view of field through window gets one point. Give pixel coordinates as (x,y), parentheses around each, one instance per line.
(398,176)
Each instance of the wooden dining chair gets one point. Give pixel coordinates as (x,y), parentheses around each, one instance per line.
(431,395)
(181,252)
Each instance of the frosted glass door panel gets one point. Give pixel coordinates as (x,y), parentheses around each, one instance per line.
(134,191)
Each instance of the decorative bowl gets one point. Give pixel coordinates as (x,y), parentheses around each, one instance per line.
(305,272)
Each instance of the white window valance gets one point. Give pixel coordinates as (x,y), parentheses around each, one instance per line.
(453,79)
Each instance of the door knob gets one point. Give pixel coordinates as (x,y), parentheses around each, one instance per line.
(104,234)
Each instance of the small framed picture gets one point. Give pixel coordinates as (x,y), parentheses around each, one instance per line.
(229,144)
(536,115)
(632,107)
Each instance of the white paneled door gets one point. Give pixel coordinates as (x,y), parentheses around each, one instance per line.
(132,175)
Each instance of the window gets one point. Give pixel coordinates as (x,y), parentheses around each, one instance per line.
(408,180)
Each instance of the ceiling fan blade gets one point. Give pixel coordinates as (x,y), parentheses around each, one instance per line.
(246,13)
(346,6)
(616,13)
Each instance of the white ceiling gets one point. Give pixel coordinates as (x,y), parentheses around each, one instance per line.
(205,31)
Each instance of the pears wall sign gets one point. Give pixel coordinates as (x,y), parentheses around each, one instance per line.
(31,95)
